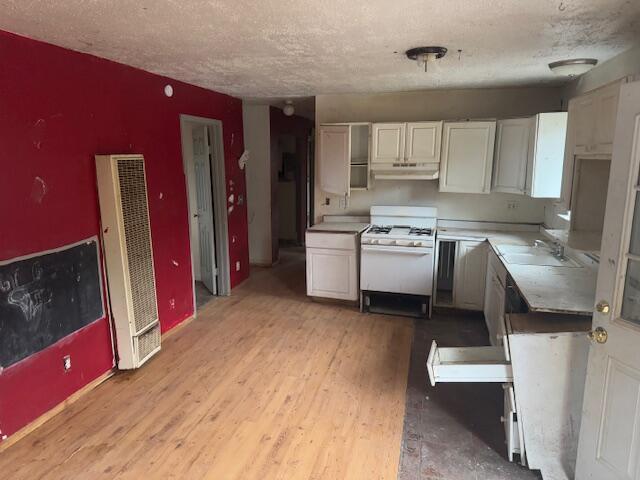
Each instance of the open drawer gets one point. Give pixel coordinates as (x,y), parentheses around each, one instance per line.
(468,364)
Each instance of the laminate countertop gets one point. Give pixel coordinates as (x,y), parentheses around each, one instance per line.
(544,289)
(338,227)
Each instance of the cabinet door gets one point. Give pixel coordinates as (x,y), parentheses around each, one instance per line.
(424,140)
(489,307)
(334,152)
(584,111)
(512,147)
(606,108)
(332,273)
(469,275)
(546,155)
(467,157)
(569,156)
(388,143)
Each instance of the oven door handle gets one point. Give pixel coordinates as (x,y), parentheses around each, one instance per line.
(405,250)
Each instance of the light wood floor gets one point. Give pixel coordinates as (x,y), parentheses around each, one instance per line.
(265,384)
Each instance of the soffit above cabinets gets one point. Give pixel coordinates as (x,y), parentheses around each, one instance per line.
(280,49)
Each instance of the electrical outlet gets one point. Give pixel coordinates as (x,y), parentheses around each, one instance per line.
(512,205)
(66,362)
(327,201)
(237,266)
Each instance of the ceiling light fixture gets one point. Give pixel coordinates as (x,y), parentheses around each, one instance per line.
(288,108)
(425,55)
(574,67)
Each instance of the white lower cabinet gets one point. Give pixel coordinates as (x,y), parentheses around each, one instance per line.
(494,299)
(332,265)
(469,274)
(512,429)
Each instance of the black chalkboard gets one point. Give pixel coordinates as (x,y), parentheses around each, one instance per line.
(46,297)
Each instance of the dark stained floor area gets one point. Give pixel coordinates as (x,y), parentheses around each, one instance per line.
(453,431)
(203,295)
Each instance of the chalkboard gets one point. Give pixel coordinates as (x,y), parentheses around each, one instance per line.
(47,296)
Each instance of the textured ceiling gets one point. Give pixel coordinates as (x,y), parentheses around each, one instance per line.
(284,48)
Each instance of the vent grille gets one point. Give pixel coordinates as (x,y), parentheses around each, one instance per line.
(148,343)
(135,215)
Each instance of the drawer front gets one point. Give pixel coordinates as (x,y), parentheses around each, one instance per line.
(340,241)
(468,364)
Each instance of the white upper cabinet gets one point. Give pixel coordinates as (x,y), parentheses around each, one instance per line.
(590,127)
(423,142)
(334,148)
(467,157)
(388,143)
(546,155)
(343,152)
(512,150)
(595,120)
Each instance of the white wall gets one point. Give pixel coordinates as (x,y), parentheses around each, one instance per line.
(437,105)
(257,140)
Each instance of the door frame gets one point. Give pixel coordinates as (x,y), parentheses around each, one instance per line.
(219,196)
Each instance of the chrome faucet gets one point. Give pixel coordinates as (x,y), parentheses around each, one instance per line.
(558,250)
(539,243)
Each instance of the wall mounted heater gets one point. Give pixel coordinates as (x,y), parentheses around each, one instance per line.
(126,234)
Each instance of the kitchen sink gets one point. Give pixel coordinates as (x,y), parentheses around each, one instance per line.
(528,255)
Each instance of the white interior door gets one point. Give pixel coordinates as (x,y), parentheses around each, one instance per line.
(204,202)
(609,445)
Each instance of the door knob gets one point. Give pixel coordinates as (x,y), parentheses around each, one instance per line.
(602,306)
(599,335)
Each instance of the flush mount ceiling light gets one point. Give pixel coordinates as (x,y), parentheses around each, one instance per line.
(425,55)
(574,67)
(288,109)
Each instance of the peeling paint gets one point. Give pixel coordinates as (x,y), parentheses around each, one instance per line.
(38,190)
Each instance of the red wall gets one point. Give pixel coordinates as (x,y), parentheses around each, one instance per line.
(59,108)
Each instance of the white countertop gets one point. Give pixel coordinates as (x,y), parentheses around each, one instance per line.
(544,288)
(339,227)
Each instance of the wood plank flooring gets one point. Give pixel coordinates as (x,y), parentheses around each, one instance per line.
(265,384)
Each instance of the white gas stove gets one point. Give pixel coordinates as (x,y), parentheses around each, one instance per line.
(397,254)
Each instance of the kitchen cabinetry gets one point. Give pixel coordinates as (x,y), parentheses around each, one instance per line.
(332,264)
(546,155)
(343,152)
(423,142)
(542,367)
(469,275)
(467,157)
(529,155)
(406,150)
(511,152)
(590,129)
(494,299)
(388,143)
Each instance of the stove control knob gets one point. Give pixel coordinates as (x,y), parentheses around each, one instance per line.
(417,244)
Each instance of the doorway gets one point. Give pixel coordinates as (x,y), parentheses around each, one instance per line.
(203,163)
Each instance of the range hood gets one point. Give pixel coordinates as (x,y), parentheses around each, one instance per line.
(407,171)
